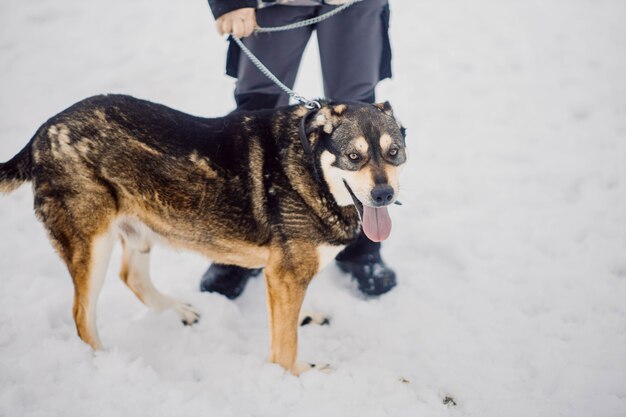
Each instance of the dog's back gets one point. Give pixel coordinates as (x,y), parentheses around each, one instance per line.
(135,158)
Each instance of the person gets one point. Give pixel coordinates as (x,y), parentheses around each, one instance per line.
(355,55)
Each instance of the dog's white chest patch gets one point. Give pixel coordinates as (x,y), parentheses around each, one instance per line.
(327,253)
(334,179)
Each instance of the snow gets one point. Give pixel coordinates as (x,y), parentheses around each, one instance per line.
(510,246)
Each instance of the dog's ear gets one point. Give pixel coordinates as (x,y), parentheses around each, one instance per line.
(339,109)
(326,119)
(385,108)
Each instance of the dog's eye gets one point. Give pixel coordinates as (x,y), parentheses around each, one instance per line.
(393,152)
(354,156)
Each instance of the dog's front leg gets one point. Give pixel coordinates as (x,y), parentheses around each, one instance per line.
(287,280)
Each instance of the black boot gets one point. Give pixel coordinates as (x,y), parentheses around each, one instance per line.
(228,280)
(362,260)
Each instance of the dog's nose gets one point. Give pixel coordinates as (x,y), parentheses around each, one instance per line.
(382,194)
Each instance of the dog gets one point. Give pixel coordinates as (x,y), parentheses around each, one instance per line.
(282,189)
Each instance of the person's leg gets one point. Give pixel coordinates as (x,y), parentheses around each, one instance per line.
(281,52)
(354,50)
(355,55)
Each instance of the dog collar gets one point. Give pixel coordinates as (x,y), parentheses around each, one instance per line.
(304,141)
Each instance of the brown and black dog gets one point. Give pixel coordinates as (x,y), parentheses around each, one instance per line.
(239,189)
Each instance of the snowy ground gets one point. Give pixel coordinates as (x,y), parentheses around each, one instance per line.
(510,247)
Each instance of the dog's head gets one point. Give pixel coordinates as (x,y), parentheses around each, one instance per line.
(361,151)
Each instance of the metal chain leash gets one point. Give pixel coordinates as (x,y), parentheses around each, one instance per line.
(257,63)
(307,22)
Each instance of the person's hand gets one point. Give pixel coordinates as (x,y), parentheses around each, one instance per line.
(239,22)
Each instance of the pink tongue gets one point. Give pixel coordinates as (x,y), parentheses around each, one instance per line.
(376,223)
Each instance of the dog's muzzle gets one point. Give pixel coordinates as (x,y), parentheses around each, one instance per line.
(375,220)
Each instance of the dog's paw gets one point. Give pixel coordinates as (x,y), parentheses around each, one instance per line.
(301,367)
(308,317)
(187,313)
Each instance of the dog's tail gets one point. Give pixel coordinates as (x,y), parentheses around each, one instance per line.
(16,171)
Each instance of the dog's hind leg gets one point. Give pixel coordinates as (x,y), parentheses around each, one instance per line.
(136,275)
(86,255)
(87,258)
(88,268)
(80,232)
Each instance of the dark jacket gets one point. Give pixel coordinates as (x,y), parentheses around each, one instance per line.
(220,7)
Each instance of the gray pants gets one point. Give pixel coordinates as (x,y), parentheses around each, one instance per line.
(354,53)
